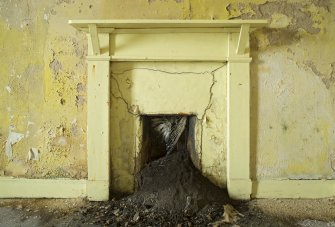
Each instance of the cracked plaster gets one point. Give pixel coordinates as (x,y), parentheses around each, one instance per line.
(298,46)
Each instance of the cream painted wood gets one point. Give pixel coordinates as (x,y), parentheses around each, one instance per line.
(94,38)
(148,23)
(164,30)
(104,45)
(170,46)
(98,105)
(98,129)
(238,130)
(41,188)
(238,152)
(169,58)
(243,39)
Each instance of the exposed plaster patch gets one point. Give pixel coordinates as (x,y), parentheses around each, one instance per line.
(79,49)
(328,80)
(177,1)
(13,138)
(287,19)
(58,2)
(34,154)
(74,127)
(56,66)
(16,13)
(323,4)
(80,100)
(80,88)
(301,18)
(280,21)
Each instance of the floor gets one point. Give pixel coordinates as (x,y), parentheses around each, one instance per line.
(69,212)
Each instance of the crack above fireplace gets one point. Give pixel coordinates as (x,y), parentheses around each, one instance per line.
(123,99)
(164,71)
(134,110)
(202,119)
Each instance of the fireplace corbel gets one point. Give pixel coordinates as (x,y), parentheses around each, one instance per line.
(104,40)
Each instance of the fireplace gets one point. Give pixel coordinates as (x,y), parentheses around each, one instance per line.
(139,70)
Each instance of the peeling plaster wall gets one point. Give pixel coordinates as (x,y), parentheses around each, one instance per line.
(43,81)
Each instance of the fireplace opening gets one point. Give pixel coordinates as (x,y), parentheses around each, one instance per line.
(168,178)
(165,134)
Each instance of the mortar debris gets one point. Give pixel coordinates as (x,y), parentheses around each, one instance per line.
(171,192)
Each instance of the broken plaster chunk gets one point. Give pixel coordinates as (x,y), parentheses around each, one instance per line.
(34,154)
(13,138)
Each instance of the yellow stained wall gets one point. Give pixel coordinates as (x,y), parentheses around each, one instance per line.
(43,81)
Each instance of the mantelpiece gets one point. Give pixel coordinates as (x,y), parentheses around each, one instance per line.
(225,41)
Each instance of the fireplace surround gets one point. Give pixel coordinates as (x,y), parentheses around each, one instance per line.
(147,67)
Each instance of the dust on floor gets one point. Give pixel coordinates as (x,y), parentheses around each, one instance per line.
(80,212)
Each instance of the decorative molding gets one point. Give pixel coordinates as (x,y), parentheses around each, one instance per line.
(243,39)
(94,38)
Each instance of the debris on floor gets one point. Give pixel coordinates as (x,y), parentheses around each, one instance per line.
(170,192)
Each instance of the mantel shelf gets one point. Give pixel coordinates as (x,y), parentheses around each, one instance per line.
(96,27)
(151,24)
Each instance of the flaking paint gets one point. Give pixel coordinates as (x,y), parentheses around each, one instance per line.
(292,77)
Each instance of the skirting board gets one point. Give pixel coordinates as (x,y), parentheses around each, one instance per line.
(41,188)
(68,188)
(307,189)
